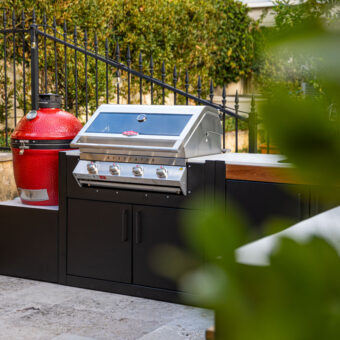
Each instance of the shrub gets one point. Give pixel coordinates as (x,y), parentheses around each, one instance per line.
(287,68)
(213,39)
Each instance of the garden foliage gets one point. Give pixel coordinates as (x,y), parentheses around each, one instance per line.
(213,39)
(298,295)
(286,68)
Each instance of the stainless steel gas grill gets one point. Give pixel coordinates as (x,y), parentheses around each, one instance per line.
(142,147)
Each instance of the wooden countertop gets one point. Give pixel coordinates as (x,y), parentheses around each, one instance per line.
(255,167)
(262,174)
(249,167)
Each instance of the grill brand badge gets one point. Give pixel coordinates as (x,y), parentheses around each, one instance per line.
(130,133)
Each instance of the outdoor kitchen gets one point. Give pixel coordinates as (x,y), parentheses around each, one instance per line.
(168,170)
(123,189)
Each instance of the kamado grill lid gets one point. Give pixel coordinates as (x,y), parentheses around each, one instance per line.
(52,124)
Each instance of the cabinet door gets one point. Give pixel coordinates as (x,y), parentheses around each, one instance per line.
(99,240)
(260,202)
(154,227)
(320,204)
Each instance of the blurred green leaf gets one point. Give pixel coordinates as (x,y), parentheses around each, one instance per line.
(210,232)
(298,295)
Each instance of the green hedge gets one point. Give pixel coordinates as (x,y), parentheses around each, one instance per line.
(210,38)
(283,66)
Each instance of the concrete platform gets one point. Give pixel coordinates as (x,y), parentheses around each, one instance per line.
(32,310)
(16,202)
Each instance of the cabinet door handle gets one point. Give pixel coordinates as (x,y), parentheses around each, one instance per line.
(138,228)
(124,225)
(300,206)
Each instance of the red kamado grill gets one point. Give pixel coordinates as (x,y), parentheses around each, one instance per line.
(36,142)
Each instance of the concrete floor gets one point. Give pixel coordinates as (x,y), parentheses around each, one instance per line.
(31,310)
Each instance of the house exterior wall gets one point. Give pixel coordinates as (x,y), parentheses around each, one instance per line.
(262,7)
(268,18)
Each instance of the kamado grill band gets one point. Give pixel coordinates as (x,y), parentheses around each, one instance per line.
(41,144)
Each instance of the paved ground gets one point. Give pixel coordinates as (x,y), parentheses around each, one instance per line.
(31,310)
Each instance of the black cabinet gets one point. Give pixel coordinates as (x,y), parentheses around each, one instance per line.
(154,227)
(108,238)
(116,242)
(29,242)
(259,201)
(320,204)
(99,240)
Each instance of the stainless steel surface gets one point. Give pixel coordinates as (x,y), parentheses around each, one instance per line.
(23,146)
(142,187)
(127,141)
(176,175)
(192,141)
(139,159)
(161,172)
(137,170)
(141,118)
(114,169)
(92,168)
(116,152)
(31,115)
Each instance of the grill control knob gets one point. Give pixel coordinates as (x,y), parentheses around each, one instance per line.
(92,168)
(137,170)
(162,172)
(114,169)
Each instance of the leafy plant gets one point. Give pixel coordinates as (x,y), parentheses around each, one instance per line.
(3,139)
(298,295)
(284,68)
(213,39)
(2,95)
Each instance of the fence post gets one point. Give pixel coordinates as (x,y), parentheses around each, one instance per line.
(252,123)
(34,64)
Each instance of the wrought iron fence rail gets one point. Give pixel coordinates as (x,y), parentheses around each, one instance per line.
(143,76)
(19,29)
(14,30)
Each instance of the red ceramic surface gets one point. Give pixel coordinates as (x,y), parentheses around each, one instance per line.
(36,170)
(50,124)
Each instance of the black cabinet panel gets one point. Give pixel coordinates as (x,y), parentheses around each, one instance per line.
(153,227)
(320,204)
(99,240)
(260,201)
(29,242)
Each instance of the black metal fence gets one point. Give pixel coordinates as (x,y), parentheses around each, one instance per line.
(36,59)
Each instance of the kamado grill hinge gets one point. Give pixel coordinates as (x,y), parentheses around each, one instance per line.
(23,147)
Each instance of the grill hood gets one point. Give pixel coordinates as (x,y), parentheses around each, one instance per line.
(151,130)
